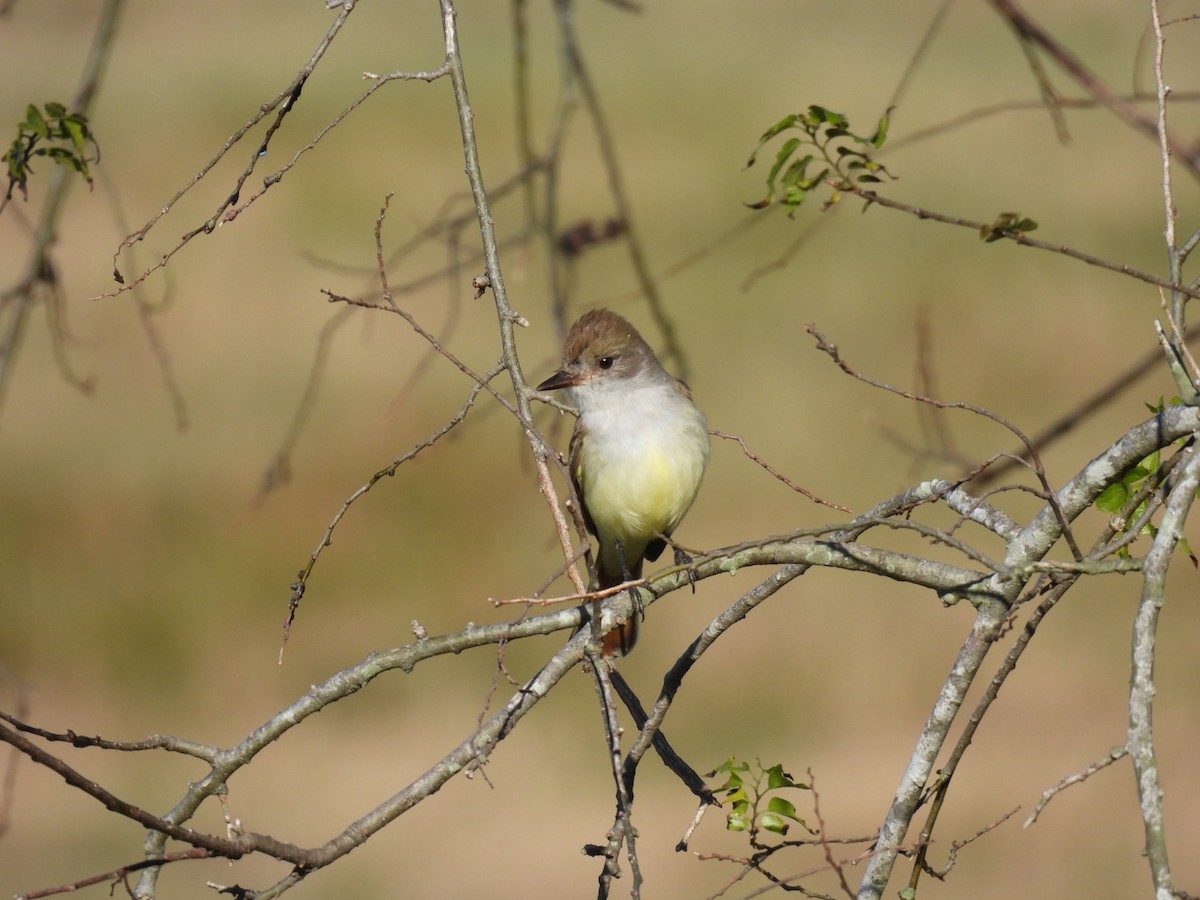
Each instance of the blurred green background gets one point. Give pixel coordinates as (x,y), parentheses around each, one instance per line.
(143,590)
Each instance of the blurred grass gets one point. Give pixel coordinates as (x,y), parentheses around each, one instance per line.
(138,597)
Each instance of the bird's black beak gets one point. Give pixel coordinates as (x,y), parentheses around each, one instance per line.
(563,378)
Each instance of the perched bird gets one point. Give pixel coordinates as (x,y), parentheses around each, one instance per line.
(638,452)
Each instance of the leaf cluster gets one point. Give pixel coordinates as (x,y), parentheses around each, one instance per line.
(1006,225)
(745,793)
(56,134)
(1140,481)
(827,151)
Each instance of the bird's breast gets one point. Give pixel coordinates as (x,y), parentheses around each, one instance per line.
(640,475)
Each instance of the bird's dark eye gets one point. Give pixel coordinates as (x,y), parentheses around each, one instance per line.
(606,362)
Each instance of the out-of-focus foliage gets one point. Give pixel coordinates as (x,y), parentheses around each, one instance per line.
(50,133)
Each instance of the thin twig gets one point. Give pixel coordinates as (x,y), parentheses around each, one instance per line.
(1116,753)
(1022,239)
(980,113)
(622,832)
(824,344)
(821,835)
(1127,112)
(117,875)
(955,846)
(616,186)
(301,584)
(1105,395)
(282,105)
(506,316)
(580,597)
(750,454)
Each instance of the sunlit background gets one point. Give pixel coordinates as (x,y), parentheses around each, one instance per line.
(143,585)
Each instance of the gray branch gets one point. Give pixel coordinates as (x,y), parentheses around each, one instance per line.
(1141,681)
(1027,547)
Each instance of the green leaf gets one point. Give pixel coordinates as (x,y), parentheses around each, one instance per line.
(781,807)
(730,765)
(732,783)
(726,766)
(809,183)
(780,127)
(739,817)
(777,778)
(796,170)
(1006,225)
(881,131)
(795,184)
(737,796)
(785,152)
(818,115)
(793,197)
(773,823)
(1113,498)
(78,131)
(35,123)
(774,131)
(64,157)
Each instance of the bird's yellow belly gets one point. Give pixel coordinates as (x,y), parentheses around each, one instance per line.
(634,501)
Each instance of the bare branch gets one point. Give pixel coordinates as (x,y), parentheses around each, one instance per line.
(1026,241)
(1035,34)
(301,584)
(1028,547)
(616,186)
(117,875)
(227,210)
(1141,692)
(750,454)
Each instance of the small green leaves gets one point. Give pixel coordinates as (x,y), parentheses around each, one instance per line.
(1140,481)
(839,159)
(1117,496)
(1006,225)
(778,810)
(777,778)
(52,132)
(744,795)
(1114,497)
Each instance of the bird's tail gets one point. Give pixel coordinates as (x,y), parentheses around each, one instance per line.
(619,642)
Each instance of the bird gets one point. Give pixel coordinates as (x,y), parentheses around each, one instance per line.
(638,452)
